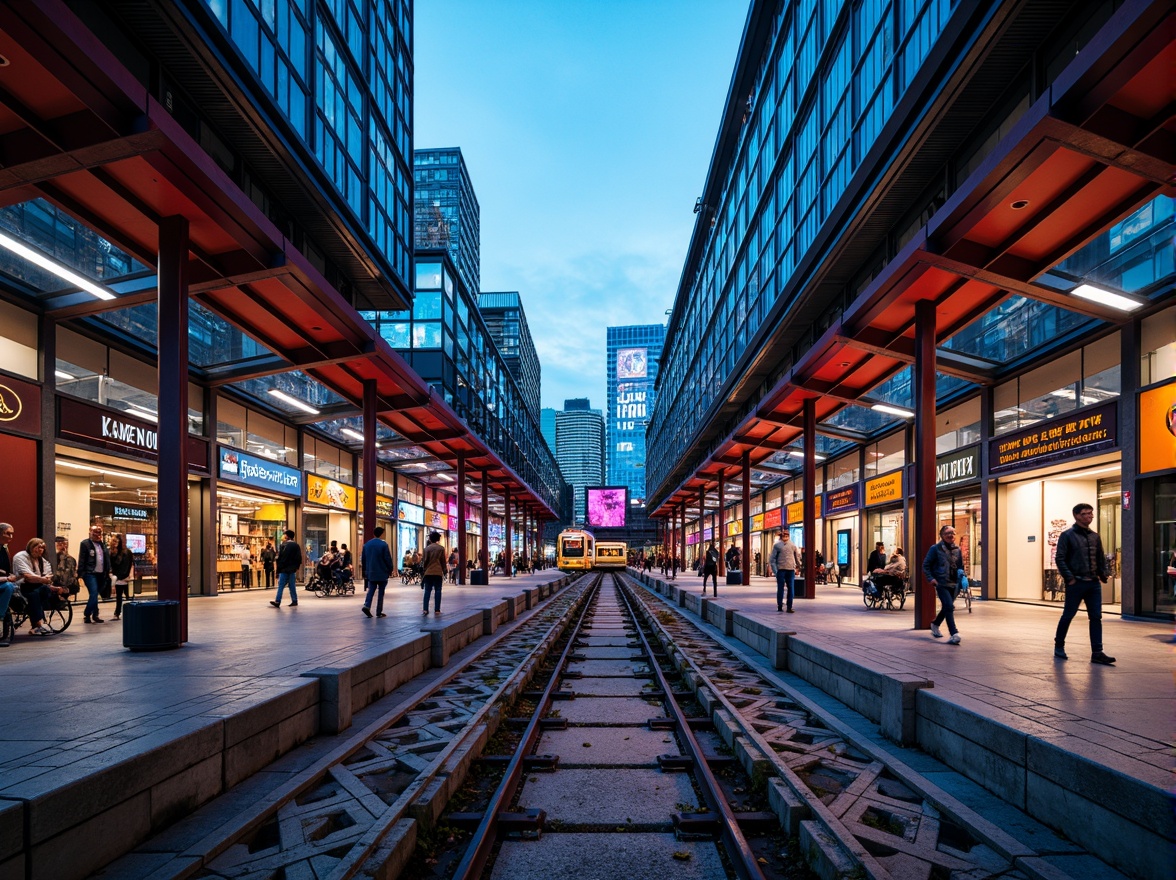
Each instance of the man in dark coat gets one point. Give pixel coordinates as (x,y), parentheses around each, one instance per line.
(289,561)
(376,559)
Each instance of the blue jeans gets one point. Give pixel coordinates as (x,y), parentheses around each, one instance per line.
(785,580)
(91,582)
(286,579)
(431,582)
(1078,592)
(6,590)
(373,587)
(946,595)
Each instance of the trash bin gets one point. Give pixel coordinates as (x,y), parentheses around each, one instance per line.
(151,626)
(478,577)
(734,577)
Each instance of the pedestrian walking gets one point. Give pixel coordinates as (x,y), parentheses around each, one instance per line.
(710,568)
(268,557)
(288,563)
(783,562)
(434,571)
(377,563)
(94,568)
(122,565)
(942,566)
(1082,563)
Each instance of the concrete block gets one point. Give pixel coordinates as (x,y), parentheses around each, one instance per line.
(726,727)
(489,623)
(754,762)
(12,830)
(280,702)
(898,706)
(13,868)
(428,806)
(531,597)
(824,854)
(245,758)
(707,700)
(787,805)
(391,855)
(297,729)
(335,697)
(514,604)
(93,843)
(180,795)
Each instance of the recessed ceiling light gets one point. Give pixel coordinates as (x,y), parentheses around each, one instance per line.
(1019,204)
(1106,298)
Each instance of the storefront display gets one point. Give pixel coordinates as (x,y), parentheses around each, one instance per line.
(249,517)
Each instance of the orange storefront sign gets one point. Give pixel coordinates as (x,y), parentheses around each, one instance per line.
(1157,429)
(795,511)
(883,489)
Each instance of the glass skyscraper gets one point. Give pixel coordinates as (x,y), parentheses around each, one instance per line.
(579,448)
(507,323)
(633,357)
(446,211)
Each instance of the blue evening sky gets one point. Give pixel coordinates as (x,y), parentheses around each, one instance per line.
(587,127)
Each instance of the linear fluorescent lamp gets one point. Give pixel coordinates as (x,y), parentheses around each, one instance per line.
(796,453)
(143,413)
(293,401)
(61,374)
(354,435)
(39,259)
(893,410)
(1106,298)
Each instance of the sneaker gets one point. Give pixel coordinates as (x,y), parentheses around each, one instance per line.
(294,604)
(275,604)
(1101,658)
(436,612)
(118,617)
(425,612)
(86,619)
(1060,653)
(381,614)
(97,619)
(367,611)
(935,631)
(954,640)
(779,608)
(789,610)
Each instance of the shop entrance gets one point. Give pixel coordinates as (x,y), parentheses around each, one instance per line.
(1110,517)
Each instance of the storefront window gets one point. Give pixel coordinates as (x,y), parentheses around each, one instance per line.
(1158,338)
(1163,586)
(843,471)
(958,426)
(887,454)
(247,522)
(962,512)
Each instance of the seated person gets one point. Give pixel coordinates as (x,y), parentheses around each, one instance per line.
(34,575)
(894,574)
(327,565)
(346,568)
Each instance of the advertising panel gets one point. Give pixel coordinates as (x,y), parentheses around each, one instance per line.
(607,506)
(329,493)
(20,406)
(632,363)
(757,522)
(884,489)
(1157,429)
(960,466)
(773,519)
(795,511)
(842,500)
(410,513)
(261,473)
(1075,434)
(119,432)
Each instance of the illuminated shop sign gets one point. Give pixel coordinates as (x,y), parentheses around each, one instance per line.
(410,513)
(842,500)
(20,406)
(329,493)
(795,511)
(240,467)
(123,511)
(99,427)
(884,489)
(961,466)
(1070,436)
(757,522)
(1157,429)
(773,519)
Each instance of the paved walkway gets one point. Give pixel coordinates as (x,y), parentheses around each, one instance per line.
(1006,660)
(81,691)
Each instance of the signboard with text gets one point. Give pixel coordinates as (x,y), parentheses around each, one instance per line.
(410,513)
(109,429)
(843,500)
(20,406)
(1073,435)
(884,489)
(773,519)
(329,493)
(958,467)
(261,473)
(1157,429)
(795,511)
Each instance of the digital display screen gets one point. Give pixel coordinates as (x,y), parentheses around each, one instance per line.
(632,363)
(137,543)
(607,506)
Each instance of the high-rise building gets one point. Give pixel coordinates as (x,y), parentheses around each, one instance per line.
(507,323)
(547,425)
(579,448)
(445,211)
(633,356)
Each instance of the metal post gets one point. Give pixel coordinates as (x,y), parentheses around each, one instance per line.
(719,525)
(461,519)
(809,504)
(172,345)
(746,517)
(683,534)
(701,519)
(46,451)
(507,562)
(924,399)
(485,526)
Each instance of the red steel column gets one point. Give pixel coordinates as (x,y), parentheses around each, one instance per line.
(810,500)
(719,526)
(924,399)
(746,517)
(370,473)
(172,345)
(485,526)
(507,562)
(683,534)
(461,519)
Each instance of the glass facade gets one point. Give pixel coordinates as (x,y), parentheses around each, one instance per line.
(507,323)
(633,356)
(445,211)
(579,446)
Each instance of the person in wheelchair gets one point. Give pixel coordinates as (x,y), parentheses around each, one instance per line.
(346,570)
(34,576)
(893,575)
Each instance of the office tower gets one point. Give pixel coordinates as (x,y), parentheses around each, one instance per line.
(445,211)
(633,356)
(507,323)
(579,448)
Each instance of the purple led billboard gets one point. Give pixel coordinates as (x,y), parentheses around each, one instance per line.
(607,506)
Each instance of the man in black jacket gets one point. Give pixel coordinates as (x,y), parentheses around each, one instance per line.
(94,570)
(1083,565)
(289,561)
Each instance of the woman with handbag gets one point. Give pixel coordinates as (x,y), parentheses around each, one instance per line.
(122,563)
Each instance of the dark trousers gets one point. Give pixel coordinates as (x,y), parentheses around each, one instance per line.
(431,583)
(376,587)
(1078,592)
(947,612)
(785,581)
(37,595)
(269,576)
(121,591)
(713,576)
(246,576)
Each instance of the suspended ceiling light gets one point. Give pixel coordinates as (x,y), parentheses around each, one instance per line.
(796,453)
(61,374)
(1106,298)
(293,401)
(893,410)
(106,471)
(39,259)
(354,435)
(142,412)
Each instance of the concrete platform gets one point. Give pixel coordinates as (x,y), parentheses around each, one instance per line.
(633,856)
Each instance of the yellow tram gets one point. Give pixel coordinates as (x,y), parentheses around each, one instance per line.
(612,555)
(575,550)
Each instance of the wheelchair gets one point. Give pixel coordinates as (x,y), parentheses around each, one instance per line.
(58,613)
(411,575)
(883,594)
(331,582)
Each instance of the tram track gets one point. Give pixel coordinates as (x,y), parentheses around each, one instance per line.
(355,809)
